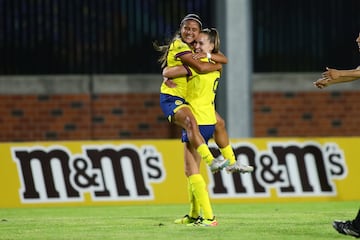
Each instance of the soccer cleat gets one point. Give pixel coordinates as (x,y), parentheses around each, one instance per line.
(185,220)
(218,164)
(201,222)
(238,167)
(346,228)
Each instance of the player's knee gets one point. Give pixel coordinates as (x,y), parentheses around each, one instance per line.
(187,122)
(220,124)
(190,124)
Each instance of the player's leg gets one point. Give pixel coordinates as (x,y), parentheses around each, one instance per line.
(184,118)
(356,221)
(179,113)
(222,140)
(200,193)
(191,167)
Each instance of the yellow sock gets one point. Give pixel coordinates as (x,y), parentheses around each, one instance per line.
(205,153)
(198,186)
(194,204)
(228,154)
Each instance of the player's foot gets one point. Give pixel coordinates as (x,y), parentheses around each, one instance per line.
(346,227)
(201,222)
(218,164)
(185,220)
(238,167)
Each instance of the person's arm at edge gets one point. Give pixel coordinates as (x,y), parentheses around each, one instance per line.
(333,76)
(340,76)
(352,73)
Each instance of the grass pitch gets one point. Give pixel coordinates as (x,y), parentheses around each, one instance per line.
(236,221)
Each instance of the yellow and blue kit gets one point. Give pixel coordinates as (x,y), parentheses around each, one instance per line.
(171,99)
(201,92)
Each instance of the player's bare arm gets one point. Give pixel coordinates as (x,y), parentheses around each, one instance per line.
(198,66)
(174,72)
(333,76)
(215,57)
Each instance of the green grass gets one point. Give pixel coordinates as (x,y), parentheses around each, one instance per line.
(236,221)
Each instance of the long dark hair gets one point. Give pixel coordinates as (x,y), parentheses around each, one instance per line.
(164,49)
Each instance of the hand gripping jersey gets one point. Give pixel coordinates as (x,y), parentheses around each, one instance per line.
(177,49)
(201,95)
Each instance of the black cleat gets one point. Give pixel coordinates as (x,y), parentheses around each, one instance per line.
(346,228)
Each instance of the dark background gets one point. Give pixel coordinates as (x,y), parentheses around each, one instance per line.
(115,36)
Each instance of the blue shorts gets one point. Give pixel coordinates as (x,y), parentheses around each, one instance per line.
(207,131)
(169,104)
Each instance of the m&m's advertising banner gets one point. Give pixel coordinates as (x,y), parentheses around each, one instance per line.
(152,172)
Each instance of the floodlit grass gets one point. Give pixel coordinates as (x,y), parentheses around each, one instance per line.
(236,221)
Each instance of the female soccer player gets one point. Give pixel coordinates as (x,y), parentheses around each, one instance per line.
(172,96)
(201,97)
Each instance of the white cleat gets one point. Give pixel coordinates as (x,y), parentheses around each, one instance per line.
(238,167)
(218,164)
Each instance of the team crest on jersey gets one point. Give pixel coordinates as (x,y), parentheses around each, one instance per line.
(178,102)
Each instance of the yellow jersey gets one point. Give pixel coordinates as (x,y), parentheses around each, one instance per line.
(177,48)
(201,95)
